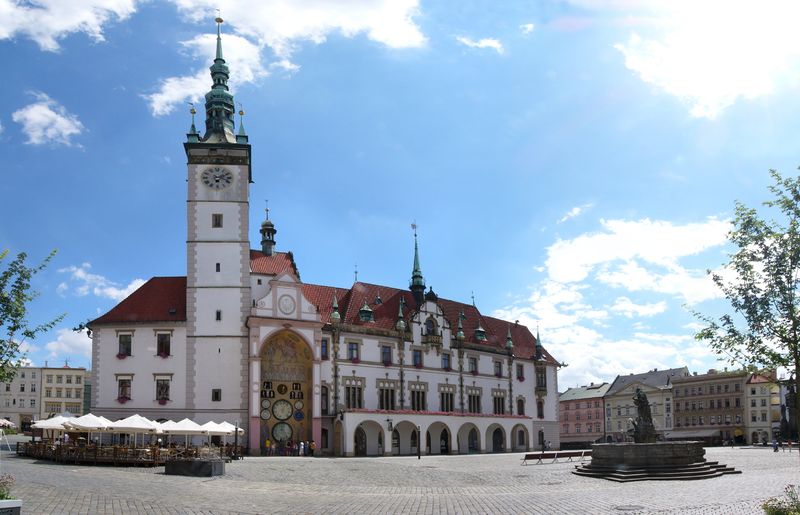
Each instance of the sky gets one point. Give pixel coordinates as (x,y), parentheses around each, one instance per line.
(571,164)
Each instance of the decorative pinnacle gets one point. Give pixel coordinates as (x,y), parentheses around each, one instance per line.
(509,341)
(219,35)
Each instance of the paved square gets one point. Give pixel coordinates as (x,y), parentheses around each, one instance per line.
(449,484)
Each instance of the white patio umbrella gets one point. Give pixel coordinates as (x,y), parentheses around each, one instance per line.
(6,423)
(52,424)
(230,428)
(88,423)
(186,427)
(135,424)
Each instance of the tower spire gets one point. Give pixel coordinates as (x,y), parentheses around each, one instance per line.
(268,232)
(219,102)
(417,283)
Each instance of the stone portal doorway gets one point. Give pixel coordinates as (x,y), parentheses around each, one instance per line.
(360,438)
(286,382)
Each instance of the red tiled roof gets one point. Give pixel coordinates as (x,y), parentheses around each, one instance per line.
(161,299)
(275,264)
(385,315)
(757,378)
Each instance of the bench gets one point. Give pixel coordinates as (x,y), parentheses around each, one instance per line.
(555,455)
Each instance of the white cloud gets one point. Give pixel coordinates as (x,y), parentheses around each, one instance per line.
(47,21)
(630,309)
(47,121)
(241,56)
(713,53)
(281,26)
(526,28)
(85,282)
(492,43)
(575,211)
(659,243)
(69,343)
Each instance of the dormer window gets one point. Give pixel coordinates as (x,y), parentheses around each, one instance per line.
(365,313)
(430,327)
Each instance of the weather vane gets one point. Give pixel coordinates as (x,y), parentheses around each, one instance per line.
(356,272)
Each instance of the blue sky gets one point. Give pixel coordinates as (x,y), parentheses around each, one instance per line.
(573,163)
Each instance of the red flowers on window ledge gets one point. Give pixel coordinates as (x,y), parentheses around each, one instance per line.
(387,363)
(163,355)
(417,365)
(163,401)
(474,372)
(123,399)
(355,361)
(122,355)
(447,369)
(520,379)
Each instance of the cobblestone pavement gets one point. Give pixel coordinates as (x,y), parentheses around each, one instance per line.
(449,484)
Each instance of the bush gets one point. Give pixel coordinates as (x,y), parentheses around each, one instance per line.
(6,482)
(789,505)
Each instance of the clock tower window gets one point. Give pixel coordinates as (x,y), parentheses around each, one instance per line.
(216,220)
(218,267)
(219,315)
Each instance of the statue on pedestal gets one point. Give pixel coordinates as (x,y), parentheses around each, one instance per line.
(643,429)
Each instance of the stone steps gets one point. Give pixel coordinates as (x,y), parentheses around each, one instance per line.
(692,471)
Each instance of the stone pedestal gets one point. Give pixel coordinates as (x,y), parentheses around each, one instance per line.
(194,468)
(639,455)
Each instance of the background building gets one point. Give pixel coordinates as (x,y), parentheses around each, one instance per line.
(762,415)
(62,390)
(20,399)
(620,409)
(581,416)
(710,406)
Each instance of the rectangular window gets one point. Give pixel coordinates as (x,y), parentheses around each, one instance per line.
(33,387)
(473,365)
(77,393)
(48,392)
(386,399)
(737,387)
(474,403)
(216,394)
(163,344)
(324,348)
(753,417)
(21,387)
(498,369)
(33,403)
(446,402)
(386,355)
(124,389)
(69,379)
(446,361)
(352,350)
(162,389)
(218,267)
(68,393)
(323,395)
(49,378)
(59,379)
(216,220)
(520,373)
(354,397)
(738,402)
(541,379)
(219,315)
(418,400)
(763,402)
(499,405)
(22,403)
(577,428)
(416,356)
(58,393)
(33,375)
(125,346)
(763,416)
(78,379)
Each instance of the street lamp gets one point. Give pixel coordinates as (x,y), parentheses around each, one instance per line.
(236,441)
(419,443)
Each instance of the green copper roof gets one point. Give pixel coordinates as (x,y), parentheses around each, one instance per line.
(509,341)
(219,102)
(460,333)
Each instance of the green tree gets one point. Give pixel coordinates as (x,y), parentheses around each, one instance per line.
(761,284)
(15,295)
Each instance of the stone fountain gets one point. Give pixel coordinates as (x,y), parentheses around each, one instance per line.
(648,459)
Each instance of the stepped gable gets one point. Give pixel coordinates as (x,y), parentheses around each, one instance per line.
(161,299)
(275,264)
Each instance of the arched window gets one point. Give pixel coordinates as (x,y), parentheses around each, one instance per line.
(414,439)
(540,409)
(520,406)
(323,403)
(430,326)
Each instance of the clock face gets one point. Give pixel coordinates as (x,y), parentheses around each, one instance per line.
(298,405)
(282,409)
(265,414)
(282,432)
(265,403)
(217,178)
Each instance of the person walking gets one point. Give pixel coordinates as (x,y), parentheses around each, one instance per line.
(300,449)
(267,446)
(313,448)
(774,445)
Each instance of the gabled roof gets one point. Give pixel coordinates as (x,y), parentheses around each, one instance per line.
(275,264)
(585,392)
(161,299)
(652,378)
(758,378)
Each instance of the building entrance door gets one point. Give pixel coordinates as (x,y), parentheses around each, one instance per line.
(360,442)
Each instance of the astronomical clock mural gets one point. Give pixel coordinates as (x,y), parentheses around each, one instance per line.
(286,389)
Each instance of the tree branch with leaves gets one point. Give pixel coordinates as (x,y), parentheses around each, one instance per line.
(761,282)
(15,296)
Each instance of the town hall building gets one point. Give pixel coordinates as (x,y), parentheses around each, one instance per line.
(364,370)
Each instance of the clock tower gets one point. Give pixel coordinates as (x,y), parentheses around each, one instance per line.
(218,255)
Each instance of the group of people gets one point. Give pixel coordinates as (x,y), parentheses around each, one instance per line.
(290,448)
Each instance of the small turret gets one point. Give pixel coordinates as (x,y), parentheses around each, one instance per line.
(268,233)
(219,101)
(539,354)
(401,323)
(335,316)
(365,313)
(460,331)
(480,332)
(509,341)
